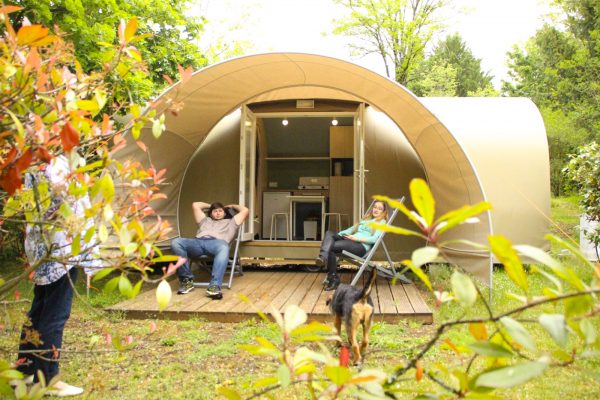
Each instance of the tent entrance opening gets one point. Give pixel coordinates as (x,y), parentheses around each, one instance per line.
(305,169)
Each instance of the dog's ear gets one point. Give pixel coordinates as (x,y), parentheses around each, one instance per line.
(328,300)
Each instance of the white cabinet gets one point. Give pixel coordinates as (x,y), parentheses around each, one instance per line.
(275,202)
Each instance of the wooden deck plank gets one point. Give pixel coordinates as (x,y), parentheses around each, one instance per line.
(418,304)
(259,300)
(288,285)
(292,286)
(280,288)
(249,288)
(297,296)
(384,295)
(314,291)
(257,284)
(401,300)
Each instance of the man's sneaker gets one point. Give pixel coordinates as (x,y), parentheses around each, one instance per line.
(186,286)
(214,292)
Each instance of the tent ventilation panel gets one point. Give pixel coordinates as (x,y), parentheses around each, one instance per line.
(305,104)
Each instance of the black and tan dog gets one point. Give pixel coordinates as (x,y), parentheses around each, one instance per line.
(354,306)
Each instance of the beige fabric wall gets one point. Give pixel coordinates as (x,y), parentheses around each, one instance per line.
(506,140)
(392,164)
(171,152)
(213,172)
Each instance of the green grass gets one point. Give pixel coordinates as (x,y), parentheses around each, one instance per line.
(188,359)
(565,214)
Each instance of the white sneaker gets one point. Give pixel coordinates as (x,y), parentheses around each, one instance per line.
(27,379)
(63,389)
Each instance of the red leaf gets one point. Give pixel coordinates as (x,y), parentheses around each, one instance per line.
(33,61)
(25,161)
(141,145)
(44,155)
(69,137)
(17,295)
(106,125)
(9,9)
(54,352)
(169,80)
(185,74)
(12,154)
(419,372)
(344,356)
(11,181)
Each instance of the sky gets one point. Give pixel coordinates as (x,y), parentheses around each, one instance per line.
(489,27)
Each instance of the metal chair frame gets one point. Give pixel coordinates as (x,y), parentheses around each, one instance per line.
(365,261)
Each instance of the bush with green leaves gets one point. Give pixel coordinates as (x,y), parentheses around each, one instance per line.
(584,172)
(504,349)
(52,108)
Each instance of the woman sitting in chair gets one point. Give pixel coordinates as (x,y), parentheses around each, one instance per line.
(357,239)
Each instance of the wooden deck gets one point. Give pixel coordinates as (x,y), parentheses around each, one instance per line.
(279,288)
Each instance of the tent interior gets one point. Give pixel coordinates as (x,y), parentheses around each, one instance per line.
(305,159)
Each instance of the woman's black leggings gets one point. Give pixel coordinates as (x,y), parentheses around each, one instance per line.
(334,244)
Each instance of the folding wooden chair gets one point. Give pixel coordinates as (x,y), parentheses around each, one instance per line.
(233,265)
(365,261)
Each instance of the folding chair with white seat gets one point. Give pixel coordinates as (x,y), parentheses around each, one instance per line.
(365,261)
(233,265)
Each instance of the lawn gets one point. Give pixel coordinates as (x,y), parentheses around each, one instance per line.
(190,359)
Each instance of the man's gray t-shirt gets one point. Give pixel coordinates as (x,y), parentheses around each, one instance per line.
(224,229)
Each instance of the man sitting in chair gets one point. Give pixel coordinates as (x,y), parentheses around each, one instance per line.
(215,233)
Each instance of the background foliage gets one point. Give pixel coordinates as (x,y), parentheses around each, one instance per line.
(559,69)
(169,35)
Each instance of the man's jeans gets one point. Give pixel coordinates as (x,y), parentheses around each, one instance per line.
(195,247)
(50,310)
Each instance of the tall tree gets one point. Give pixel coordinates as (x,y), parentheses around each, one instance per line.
(169,33)
(453,54)
(397,30)
(559,69)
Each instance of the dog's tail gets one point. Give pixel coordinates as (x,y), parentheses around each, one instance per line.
(364,295)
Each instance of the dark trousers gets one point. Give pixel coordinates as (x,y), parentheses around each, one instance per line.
(334,244)
(50,310)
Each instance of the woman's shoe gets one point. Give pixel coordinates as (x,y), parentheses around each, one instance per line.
(333,281)
(63,389)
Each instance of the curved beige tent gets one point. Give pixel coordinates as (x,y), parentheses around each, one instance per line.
(468,149)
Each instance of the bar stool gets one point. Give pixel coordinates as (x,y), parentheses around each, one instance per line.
(337,218)
(274,219)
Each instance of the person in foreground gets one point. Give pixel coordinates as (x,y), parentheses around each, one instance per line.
(49,251)
(357,239)
(215,233)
